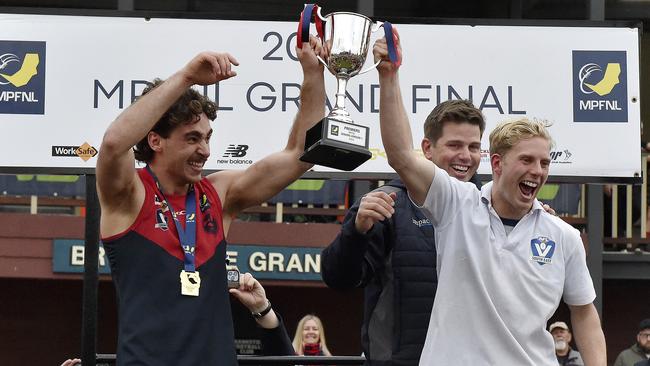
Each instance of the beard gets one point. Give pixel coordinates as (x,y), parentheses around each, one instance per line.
(646,348)
(560,345)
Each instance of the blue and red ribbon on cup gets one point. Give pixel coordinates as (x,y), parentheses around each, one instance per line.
(306,16)
(394,57)
(311,12)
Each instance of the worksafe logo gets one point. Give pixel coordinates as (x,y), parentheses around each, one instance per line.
(599,86)
(85,151)
(22,77)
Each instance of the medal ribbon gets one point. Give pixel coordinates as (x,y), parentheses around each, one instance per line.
(187,235)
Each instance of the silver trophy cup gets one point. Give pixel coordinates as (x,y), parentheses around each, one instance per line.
(336,141)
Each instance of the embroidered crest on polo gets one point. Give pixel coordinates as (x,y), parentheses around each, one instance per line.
(542,249)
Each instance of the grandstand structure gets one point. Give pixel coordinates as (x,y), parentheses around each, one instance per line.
(44,215)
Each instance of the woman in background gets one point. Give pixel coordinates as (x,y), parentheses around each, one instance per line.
(309,339)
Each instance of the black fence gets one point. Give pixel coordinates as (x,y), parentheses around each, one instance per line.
(109,360)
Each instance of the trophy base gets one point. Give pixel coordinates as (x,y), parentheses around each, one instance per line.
(336,144)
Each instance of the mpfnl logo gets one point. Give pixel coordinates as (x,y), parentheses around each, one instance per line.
(599,86)
(22,77)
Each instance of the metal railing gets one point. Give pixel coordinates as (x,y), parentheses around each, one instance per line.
(109,359)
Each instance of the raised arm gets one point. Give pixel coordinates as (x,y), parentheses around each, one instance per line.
(120,192)
(358,252)
(267,177)
(416,171)
(589,334)
(251,294)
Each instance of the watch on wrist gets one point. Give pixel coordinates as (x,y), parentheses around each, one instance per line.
(263,312)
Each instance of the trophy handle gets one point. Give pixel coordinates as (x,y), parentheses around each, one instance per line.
(323,62)
(319,15)
(392,50)
(374,28)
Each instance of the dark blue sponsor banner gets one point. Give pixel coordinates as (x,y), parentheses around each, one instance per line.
(277,263)
(600,86)
(263,262)
(22,77)
(68,256)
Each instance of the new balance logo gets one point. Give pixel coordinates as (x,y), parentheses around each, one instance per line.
(235,151)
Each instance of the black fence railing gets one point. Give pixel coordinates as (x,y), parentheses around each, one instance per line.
(109,360)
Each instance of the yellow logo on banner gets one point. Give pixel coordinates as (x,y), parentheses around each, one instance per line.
(26,72)
(607,83)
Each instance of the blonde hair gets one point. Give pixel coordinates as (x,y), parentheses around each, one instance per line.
(297,338)
(508,133)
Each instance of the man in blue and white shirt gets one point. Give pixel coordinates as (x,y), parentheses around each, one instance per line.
(503,263)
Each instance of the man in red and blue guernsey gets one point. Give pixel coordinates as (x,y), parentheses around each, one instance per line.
(164,226)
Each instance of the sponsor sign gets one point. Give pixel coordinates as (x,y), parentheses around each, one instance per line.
(263,262)
(85,151)
(22,77)
(68,256)
(585,80)
(600,86)
(235,154)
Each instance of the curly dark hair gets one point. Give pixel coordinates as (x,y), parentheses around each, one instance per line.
(187,109)
(457,111)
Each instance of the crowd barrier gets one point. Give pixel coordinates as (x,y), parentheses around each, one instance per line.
(109,360)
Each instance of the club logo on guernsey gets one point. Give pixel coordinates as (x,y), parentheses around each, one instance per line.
(204,204)
(161,208)
(542,249)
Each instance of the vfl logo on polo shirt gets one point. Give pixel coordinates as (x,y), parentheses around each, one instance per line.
(22,77)
(600,86)
(543,249)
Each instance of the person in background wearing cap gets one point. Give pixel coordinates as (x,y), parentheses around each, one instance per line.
(566,356)
(640,351)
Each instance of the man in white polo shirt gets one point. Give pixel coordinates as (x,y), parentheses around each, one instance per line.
(503,263)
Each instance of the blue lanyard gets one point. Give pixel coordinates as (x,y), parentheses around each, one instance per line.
(187,236)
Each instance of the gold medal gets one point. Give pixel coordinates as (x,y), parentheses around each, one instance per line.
(190,283)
